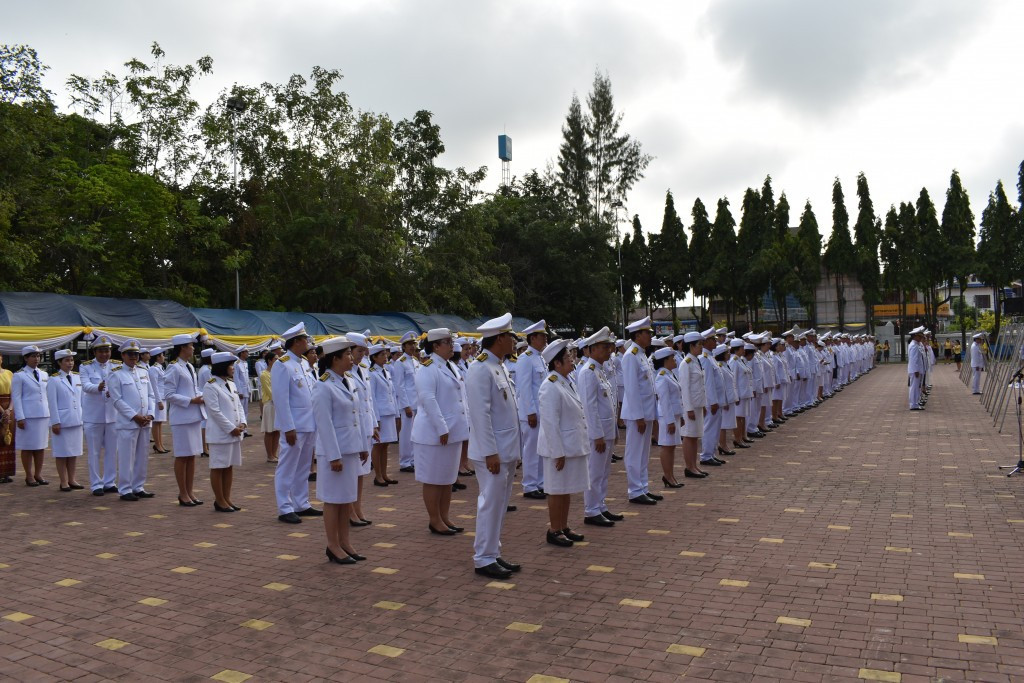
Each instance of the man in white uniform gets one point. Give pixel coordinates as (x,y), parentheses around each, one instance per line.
(977,363)
(597,393)
(403,375)
(241,380)
(915,368)
(98,413)
(530,372)
(135,402)
(714,392)
(494,443)
(639,410)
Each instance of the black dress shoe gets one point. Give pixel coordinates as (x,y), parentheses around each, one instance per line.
(456,529)
(356,556)
(748,441)
(612,516)
(204,454)
(218,508)
(310,512)
(196,501)
(511,508)
(738,444)
(445,532)
(722,451)
(654,496)
(694,475)
(42,482)
(572,535)
(186,503)
(511,566)
(713,463)
(718,460)
(109,489)
(77,487)
(390,481)
(359,523)
(598,520)
(144,494)
(331,557)
(375,482)
(616,458)
(558,538)
(643,500)
(290,518)
(493,571)
(236,508)
(536,495)
(410,468)
(129,496)
(65,488)
(458,486)
(312,477)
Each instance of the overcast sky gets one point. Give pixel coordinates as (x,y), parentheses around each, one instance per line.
(721,93)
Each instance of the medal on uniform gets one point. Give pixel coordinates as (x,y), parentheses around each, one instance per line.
(504,393)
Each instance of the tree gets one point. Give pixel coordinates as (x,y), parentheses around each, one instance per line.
(808,261)
(574,161)
(838,257)
(699,262)
(782,261)
(867,235)
(931,254)
(958,235)
(894,255)
(670,258)
(996,246)
(21,75)
(722,281)
(753,239)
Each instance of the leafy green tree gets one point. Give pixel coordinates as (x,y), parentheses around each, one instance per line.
(574,161)
(997,235)
(670,258)
(867,235)
(21,75)
(699,261)
(808,261)
(838,257)
(931,254)
(958,236)
(751,243)
(722,262)
(781,257)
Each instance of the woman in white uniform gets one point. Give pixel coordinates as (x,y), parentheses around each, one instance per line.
(225,425)
(360,374)
(562,442)
(341,445)
(670,410)
(156,381)
(183,393)
(691,389)
(384,404)
(721,354)
(28,398)
(741,371)
(64,399)
(440,428)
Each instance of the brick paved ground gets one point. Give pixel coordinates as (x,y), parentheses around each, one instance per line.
(860,540)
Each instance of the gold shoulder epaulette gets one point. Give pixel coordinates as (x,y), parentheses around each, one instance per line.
(427,363)
(284,358)
(528,353)
(402,359)
(55,374)
(88,362)
(662,371)
(513,358)
(593,366)
(210,381)
(689,359)
(117,368)
(482,356)
(117,362)
(636,350)
(719,363)
(323,377)
(552,377)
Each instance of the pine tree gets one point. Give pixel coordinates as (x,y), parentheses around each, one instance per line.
(997,236)
(574,163)
(958,234)
(699,264)
(839,250)
(808,261)
(931,254)
(722,281)
(670,258)
(867,233)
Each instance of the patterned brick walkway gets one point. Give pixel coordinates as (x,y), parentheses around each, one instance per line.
(859,541)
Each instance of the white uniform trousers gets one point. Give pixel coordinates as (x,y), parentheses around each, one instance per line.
(975,380)
(244,400)
(291,476)
(533,468)
(709,441)
(101,440)
(637,455)
(915,391)
(790,403)
(405,448)
(491,505)
(600,467)
(753,413)
(809,388)
(132,459)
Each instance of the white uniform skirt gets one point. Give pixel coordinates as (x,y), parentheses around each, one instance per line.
(388,429)
(437,464)
(664,438)
(694,427)
(367,467)
(68,444)
(729,417)
(338,487)
(225,455)
(34,436)
(574,477)
(186,440)
(267,423)
(779,393)
(160,414)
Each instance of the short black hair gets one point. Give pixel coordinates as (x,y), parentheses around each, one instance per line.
(325,362)
(172,355)
(428,346)
(289,343)
(660,362)
(560,356)
(221,369)
(488,342)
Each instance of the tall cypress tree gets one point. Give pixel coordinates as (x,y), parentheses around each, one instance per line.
(998,231)
(574,164)
(958,234)
(700,249)
(722,278)
(808,261)
(670,258)
(931,253)
(839,250)
(867,233)
(749,244)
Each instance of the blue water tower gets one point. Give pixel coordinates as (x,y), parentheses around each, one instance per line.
(505,148)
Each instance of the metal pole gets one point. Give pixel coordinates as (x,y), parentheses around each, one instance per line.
(618,243)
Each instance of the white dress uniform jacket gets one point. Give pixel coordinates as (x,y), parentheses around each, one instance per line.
(180,387)
(224,410)
(293,400)
(441,404)
(638,401)
(563,427)
(64,399)
(28,394)
(597,393)
(131,395)
(529,374)
(493,412)
(96,405)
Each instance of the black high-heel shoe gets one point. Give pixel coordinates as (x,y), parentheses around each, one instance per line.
(359,523)
(218,508)
(331,557)
(722,451)
(183,504)
(236,508)
(391,481)
(196,501)
(445,532)
(356,556)
(666,482)
(456,529)
(379,483)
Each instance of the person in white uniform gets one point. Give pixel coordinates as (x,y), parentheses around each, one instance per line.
(156,381)
(341,445)
(98,413)
(134,402)
(183,394)
(240,378)
(714,393)
(203,377)
(494,443)
(915,368)
(670,409)
(28,399)
(64,399)
(977,362)
(597,392)
(403,376)
(529,373)
(367,416)
(441,427)
(293,417)
(639,411)
(225,425)
(691,389)
(382,389)
(562,442)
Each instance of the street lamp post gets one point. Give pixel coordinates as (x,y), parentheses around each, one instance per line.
(235,106)
(617,204)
